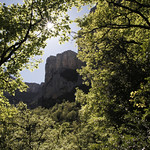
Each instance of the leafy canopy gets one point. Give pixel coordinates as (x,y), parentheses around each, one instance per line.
(114,44)
(23,35)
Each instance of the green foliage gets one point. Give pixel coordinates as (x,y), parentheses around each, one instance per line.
(114,43)
(7,112)
(23,34)
(65,112)
(115,113)
(37,129)
(25,130)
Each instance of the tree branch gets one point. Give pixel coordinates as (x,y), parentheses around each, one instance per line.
(132,10)
(5,56)
(17,45)
(116,26)
(141,5)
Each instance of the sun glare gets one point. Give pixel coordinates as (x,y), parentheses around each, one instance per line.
(50,25)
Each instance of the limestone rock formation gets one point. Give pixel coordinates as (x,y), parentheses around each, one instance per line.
(60,74)
(61,77)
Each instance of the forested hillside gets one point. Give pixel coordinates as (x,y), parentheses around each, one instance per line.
(114,43)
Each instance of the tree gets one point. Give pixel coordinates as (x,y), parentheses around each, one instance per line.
(23,32)
(26,129)
(7,113)
(37,129)
(114,43)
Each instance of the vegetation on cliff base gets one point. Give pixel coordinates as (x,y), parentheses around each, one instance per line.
(115,113)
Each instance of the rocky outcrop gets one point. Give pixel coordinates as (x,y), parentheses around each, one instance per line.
(66,60)
(30,97)
(61,78)
(60,74)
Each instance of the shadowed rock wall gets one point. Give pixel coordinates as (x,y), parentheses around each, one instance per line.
(61,79)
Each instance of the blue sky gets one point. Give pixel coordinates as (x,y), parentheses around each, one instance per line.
(53,47)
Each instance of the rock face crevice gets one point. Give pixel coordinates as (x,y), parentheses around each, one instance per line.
(61,79)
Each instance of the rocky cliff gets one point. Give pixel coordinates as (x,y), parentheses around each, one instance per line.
(61,79)
(60,74)
(30,97)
